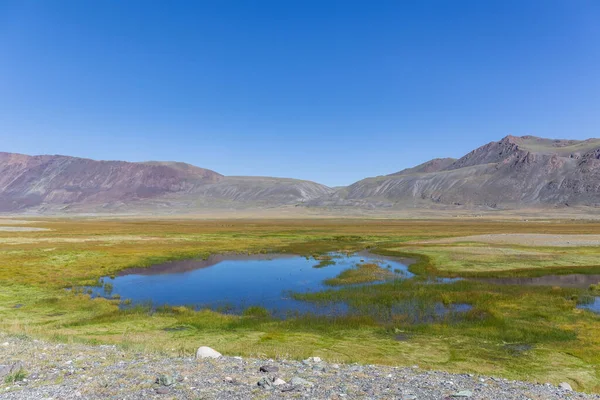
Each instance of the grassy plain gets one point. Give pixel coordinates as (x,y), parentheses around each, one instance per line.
(532,333)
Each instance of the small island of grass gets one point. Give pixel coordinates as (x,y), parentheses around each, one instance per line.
(362,273)
(324,261)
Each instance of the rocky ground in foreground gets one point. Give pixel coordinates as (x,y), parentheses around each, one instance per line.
(32,369)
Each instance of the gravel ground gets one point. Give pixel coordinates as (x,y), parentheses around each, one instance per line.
(73,371)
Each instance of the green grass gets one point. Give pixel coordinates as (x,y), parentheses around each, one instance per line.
(489,259)
(17,376)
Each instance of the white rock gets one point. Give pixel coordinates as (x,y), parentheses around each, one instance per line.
(5,344)
(207,352)
(565,386)
(314,360)
(278,382)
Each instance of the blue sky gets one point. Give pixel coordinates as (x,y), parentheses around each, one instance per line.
(331,91)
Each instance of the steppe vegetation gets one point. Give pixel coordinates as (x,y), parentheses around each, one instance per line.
(530,333)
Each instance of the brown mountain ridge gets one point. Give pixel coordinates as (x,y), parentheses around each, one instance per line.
(61,183)
(515,172)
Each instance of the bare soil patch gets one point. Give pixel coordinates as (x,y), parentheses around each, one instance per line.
(524,239)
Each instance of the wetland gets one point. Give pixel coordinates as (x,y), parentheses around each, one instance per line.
(300,288)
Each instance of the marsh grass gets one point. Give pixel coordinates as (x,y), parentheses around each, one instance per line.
(324,261)
(361,273)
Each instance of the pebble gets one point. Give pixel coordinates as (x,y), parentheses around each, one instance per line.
(165,380)
(463,393)
(265,383)
(162,390)
(269,368)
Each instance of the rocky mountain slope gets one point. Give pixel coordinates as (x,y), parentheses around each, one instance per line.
(60,183)
(513,172)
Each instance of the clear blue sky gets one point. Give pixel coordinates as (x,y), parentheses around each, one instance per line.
(331,91)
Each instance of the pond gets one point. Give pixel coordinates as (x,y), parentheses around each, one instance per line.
(232,283)
(592,305)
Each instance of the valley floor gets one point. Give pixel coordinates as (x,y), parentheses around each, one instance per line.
(536,334)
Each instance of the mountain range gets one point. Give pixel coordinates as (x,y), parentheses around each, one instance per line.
(515,172)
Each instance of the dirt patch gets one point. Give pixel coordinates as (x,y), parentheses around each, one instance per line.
(21,229)
(112,239)
(524,239)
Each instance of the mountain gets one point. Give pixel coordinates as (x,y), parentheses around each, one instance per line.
(61,183)
(513,172)
(435,165)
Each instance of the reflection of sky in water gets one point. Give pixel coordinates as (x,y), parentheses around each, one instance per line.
(594,306)
(233,285)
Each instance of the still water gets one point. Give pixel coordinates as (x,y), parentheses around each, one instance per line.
(232,283)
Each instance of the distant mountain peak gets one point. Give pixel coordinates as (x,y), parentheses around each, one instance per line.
(525,171)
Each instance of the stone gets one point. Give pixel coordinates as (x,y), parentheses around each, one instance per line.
(313,360)
(278,382)
(269,368)
(4,370)
(207,352)
(265,383)
(162,390)
(318,368)
(565,386)
(165,380)
(297,381)
(288,388)
(463,394)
